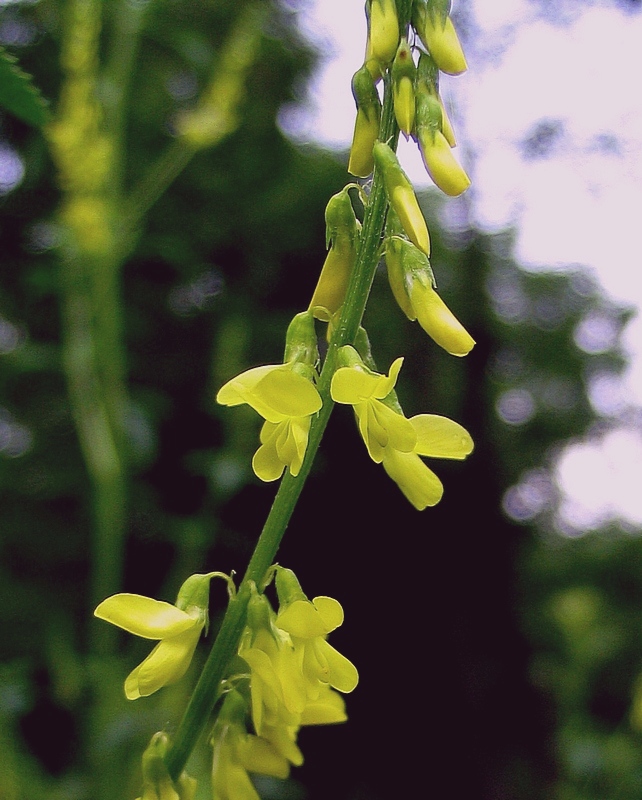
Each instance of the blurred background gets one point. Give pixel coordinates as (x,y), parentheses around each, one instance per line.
(498,634)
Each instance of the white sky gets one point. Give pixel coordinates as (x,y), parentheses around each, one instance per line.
(580,204)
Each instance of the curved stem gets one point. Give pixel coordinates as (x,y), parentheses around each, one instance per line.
(206,692)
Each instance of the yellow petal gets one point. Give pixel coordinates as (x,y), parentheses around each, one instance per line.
(274,391)
(301,619)
(266,462)
(330,610)
(342,673)
(419,484)
(289,394)
(440,437)
(144,616)
(258,755)
(366,130)
(166,664)
(328,709)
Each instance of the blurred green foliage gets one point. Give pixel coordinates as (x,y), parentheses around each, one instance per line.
(498,660)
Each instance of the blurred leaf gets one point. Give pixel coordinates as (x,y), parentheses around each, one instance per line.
(18,95)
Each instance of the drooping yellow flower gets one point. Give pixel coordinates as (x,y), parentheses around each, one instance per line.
(178,627)
(403,87)
(437,437)
(342,237)
(286,399)
(380,426)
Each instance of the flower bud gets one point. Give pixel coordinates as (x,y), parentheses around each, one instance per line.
(157,783)
(383,30)
(301,343)
(342,234)
(437,319)
(366,127)
(432,22)
(438,158)
(428,83)
(402,197)
(403,88)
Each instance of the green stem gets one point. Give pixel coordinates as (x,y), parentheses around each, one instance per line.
(206,691)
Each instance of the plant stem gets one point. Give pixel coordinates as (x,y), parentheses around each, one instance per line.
(206,691)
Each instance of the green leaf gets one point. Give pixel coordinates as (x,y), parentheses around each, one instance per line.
(18,95)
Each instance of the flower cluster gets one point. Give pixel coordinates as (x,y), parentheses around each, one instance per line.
(418,107)
(285,395)
(286,675)
(294,679)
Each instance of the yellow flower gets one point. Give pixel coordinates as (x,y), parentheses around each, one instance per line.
(342,235)
(309,623)
(437,437)
(286,399)
(237,752)
(177,626)
(403,87)
(380,426)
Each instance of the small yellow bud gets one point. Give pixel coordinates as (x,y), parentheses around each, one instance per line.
(438,34)
(366,127)
(403,88)
(383,36)
(342,234)
(402,196)
(441,164)
(438,321)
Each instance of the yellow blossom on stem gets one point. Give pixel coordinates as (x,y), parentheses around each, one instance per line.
(379,424)
(309,623)
(437,155)
(284,395)
(177,626)
(437,437)
(403,88)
